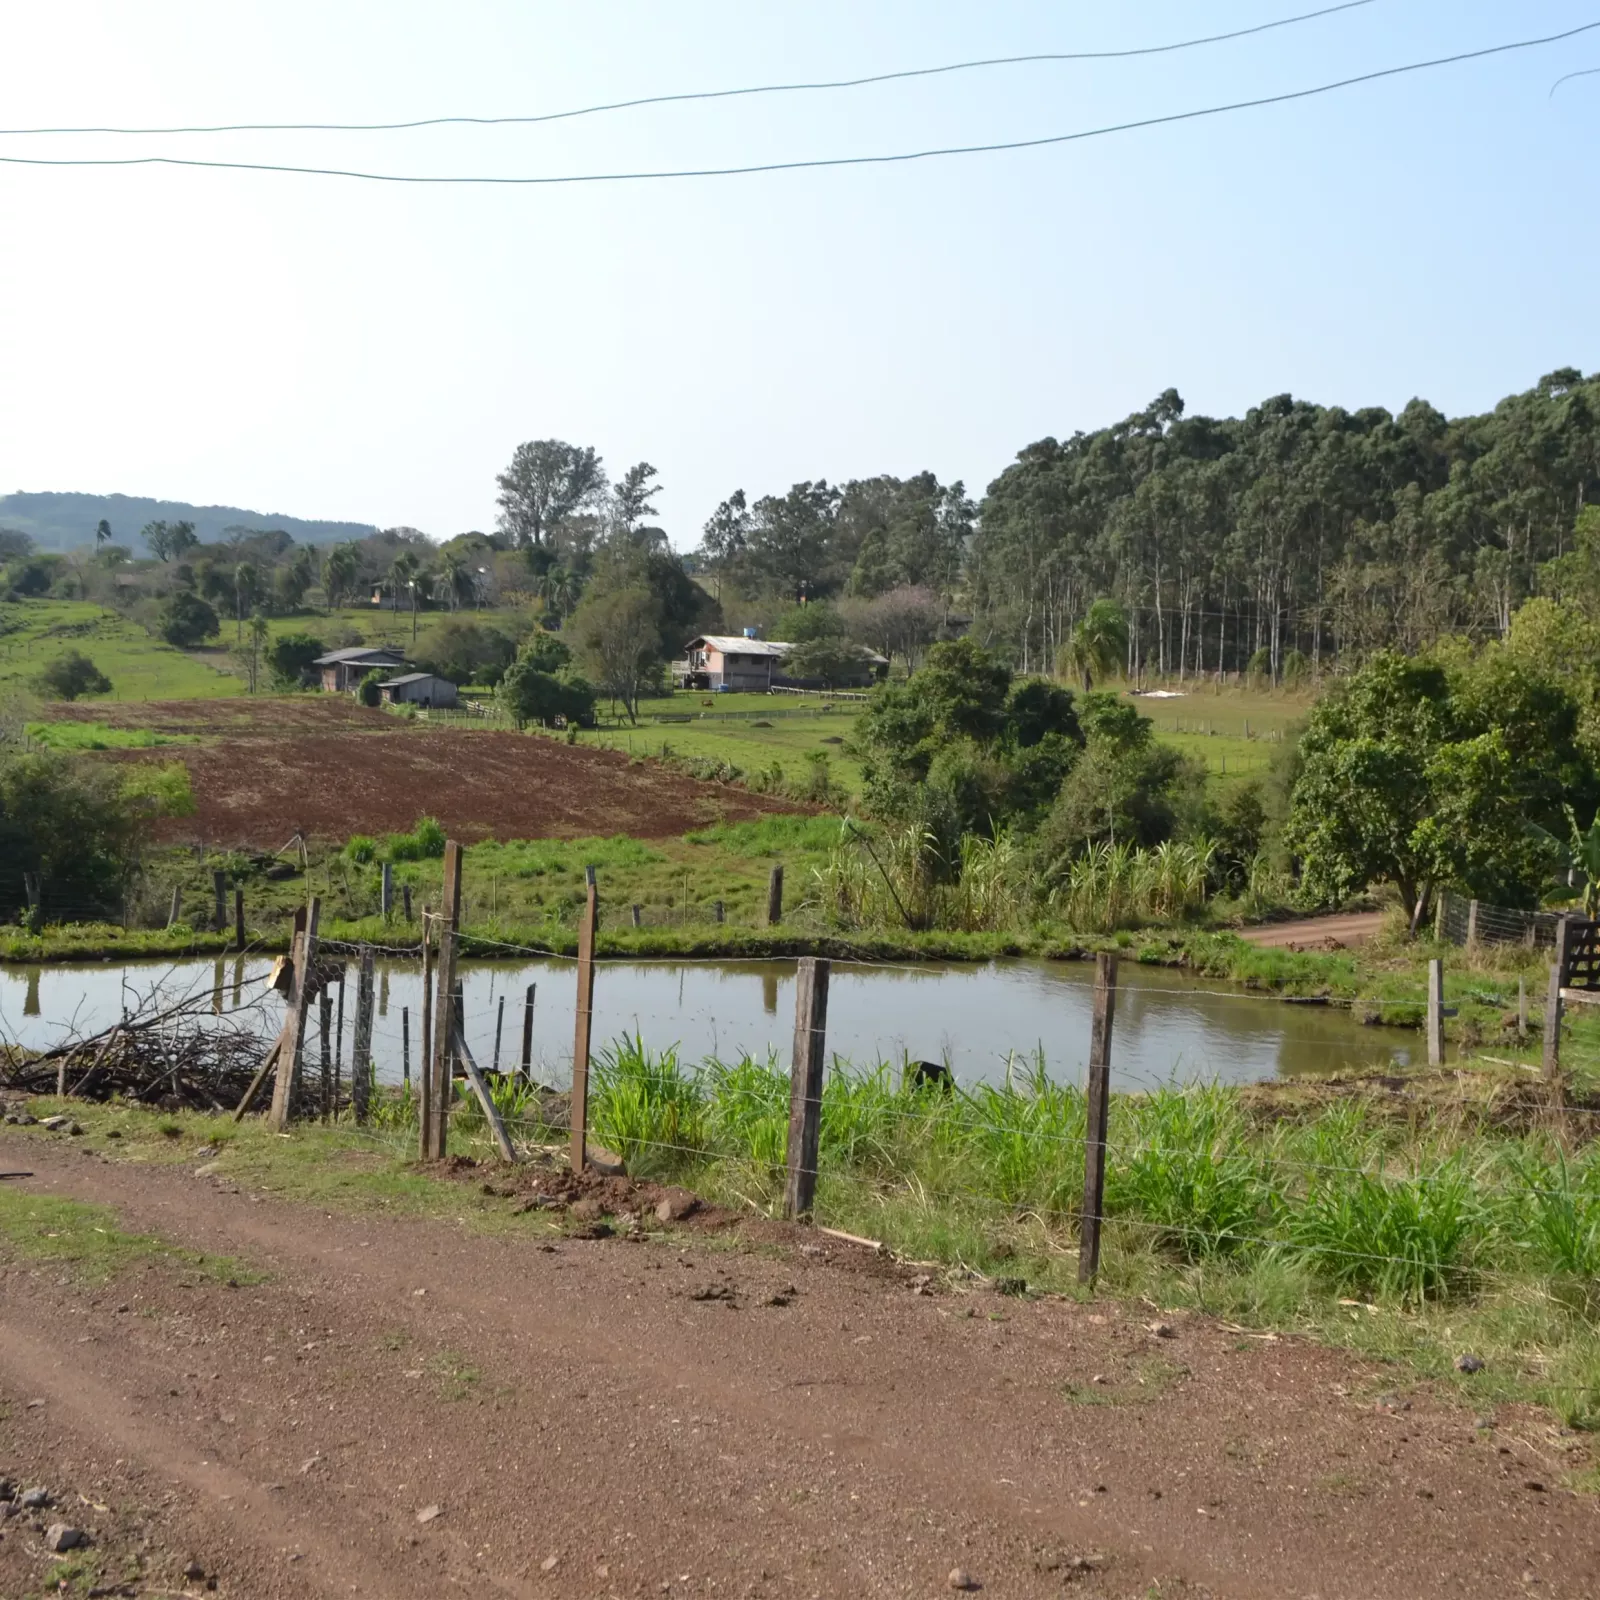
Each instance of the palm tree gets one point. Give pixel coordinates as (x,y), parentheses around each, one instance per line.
(559,589)
(402,575)
(258,643)
(339,573)
(102,534)
(455,577)
(1098,646)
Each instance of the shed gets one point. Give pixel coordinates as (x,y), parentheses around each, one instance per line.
(343,670)
(418,689)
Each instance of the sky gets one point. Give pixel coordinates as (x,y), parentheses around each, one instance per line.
(328,348)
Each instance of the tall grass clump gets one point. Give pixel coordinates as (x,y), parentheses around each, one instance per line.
(747,1118)
(649,1108)
(1180,1161)
(425,842)
(1114,885)
(1408,1238)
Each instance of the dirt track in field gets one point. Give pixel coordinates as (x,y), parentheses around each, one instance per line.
(675,1416)
(330,768)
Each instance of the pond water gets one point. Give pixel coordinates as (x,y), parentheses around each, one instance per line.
(980,1019)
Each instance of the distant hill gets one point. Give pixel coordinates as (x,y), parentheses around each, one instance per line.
(67,521)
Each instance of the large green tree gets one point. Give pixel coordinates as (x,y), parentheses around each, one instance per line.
(547,480)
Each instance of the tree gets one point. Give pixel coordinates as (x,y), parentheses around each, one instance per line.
(833,660)
(633,498)
(290,658)
(102,534)
(292,581)
(901,622)
(370,690)
(246,591)
(546,482)
(1416,776)
(341,570)
(167,541)
(465,651)
(531,692)
(187,621)
(71,676)
(1098,646)
(619,631)
(560,589)
(259,635)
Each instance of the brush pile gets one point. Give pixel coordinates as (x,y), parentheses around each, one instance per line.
(181,1057)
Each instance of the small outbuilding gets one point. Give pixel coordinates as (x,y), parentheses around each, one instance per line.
(343,670)
(418,689)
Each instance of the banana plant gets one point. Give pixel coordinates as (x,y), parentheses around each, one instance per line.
(1584,849)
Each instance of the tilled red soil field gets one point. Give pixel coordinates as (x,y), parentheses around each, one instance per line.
(248,717)
(404,1409)
(254,792)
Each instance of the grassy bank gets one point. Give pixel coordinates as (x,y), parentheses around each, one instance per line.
(1420,1224)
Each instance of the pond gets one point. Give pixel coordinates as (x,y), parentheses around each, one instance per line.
(982,1020)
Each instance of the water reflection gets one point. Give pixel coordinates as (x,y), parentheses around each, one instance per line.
(984,1021)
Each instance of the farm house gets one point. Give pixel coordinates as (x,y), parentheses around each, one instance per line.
(343,670)
(418,689)
(743,662)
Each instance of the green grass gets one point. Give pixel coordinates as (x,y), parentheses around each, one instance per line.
(98,736)
(139,666)
(788,743)
(86,1239)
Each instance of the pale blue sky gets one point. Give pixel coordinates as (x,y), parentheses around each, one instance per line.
(333,349)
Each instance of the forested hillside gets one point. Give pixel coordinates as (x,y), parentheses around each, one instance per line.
(1292,535)
(68,521)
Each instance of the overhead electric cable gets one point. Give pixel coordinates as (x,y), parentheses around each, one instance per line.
(716,94)
(1587,72)
(814,162)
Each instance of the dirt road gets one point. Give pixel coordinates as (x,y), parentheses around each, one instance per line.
(675,1416)
(1316,933)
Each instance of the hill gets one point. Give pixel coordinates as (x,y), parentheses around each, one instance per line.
(67,521)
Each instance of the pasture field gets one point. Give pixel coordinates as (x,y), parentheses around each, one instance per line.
(140,667)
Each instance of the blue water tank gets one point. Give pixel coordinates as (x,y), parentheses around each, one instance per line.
(752,633)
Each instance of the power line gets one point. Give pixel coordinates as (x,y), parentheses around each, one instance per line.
(1588,72)
(717,94)
(813,163)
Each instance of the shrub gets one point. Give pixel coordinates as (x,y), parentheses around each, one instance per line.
(370,691)
(290,658)
(361,849)
(71,676)
(186,621)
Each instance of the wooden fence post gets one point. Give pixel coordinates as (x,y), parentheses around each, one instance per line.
(1552,1005)
(805,1085)
(405,1045)
(338,1043)
(238,918)
(717,910)
(219,887)
(1472,925)
(636,914)
(405,899)
(1438,916)
(1522,1009)
(386,892)
(527,1035)
(177,905)
(439,1068)
(325,1057)
(583,1026)
(775,897)
(1098,1112)
(1436,1012)
(425,1043)
(361,1043)
(292,1039)
(499,1028)
(491,1112)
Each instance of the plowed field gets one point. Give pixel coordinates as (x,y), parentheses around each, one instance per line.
(329,769)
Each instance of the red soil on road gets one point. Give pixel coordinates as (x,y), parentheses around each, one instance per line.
(1316,933)
(658,1416)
